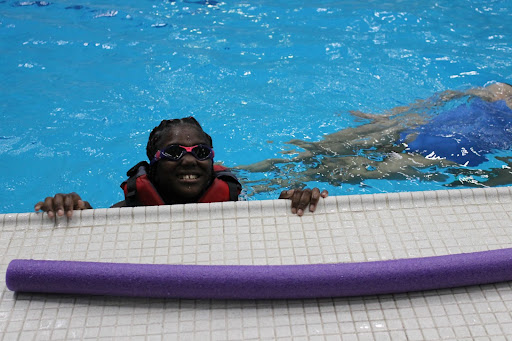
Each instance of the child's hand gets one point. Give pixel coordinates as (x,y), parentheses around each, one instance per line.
(302,198)
(61,204)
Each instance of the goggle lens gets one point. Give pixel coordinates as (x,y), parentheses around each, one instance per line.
(201,152)
(174,152)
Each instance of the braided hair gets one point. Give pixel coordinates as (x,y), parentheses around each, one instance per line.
(165,126)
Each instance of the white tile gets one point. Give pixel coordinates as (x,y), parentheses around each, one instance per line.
(343,203)
(504,194)
(406,199)
(151,214)
(139,215)
(81,218)
(125,215)
(355,203)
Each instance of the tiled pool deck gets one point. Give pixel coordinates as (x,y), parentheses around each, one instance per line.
(344,229)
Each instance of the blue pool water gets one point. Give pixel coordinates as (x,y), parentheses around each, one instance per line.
(83,83)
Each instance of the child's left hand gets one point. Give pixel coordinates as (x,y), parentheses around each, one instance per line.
(301,198)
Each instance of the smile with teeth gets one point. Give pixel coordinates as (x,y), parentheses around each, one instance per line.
(188,176)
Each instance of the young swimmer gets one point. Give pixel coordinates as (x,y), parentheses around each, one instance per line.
(403,142)
(180,171)
(466,133)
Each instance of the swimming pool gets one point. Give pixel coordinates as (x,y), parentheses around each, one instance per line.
(84,83)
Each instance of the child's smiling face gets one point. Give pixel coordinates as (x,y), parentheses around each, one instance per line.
(184,180)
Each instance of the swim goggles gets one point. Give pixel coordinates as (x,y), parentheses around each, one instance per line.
(175,152)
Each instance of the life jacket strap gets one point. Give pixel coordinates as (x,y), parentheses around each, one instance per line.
(235,188)
(131,197)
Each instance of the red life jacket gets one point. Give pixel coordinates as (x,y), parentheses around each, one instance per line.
(140,191)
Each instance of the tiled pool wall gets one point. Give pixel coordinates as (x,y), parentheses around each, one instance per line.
(344,229)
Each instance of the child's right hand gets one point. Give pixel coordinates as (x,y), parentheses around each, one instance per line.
(61,204)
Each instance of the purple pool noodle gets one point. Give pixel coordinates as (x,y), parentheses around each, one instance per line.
(260,282)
